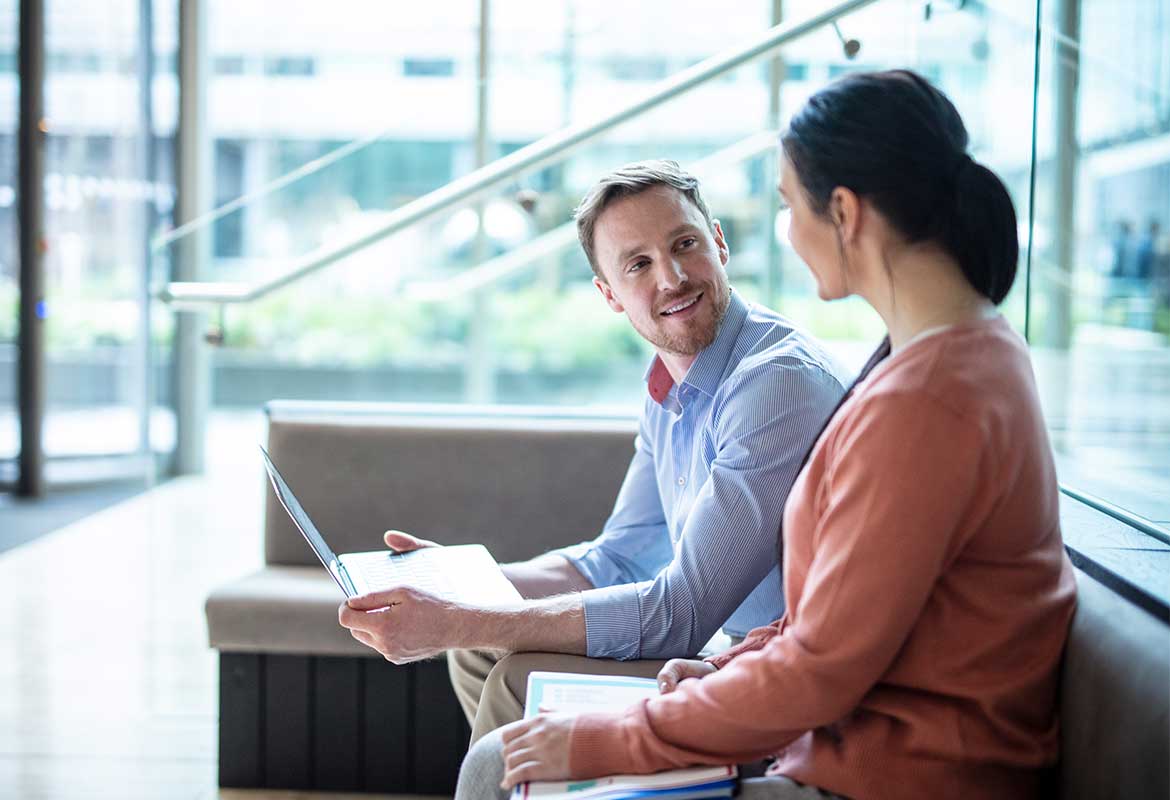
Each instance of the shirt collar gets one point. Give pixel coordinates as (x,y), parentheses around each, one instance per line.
(709,367)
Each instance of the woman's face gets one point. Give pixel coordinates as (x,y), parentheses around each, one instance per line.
(813,237)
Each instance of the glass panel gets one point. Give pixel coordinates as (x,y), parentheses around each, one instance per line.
(1100,313)
(418,317)
(104,194)
(9,242)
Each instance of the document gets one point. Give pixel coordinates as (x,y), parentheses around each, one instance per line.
(575,693)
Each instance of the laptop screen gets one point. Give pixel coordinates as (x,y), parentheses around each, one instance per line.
(307,528)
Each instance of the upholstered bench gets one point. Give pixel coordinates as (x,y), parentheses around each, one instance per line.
(302,705)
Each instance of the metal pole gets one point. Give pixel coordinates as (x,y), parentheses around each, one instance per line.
(774,255)
(191,364)
(33,127)
(146,171)
(1057,284)
(480,370)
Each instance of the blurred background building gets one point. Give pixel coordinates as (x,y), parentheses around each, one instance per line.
(309,127)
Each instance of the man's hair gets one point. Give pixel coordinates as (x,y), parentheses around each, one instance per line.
(625,182)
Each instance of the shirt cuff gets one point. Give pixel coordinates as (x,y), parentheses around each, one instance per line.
(613,622)
(592,563)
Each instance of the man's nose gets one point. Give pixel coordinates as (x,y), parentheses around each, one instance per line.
(671,275)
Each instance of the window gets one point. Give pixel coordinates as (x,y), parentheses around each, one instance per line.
(428,67)
(292,66)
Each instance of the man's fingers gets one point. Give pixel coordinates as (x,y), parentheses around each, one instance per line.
(363,637)
(402,542)
(375,600)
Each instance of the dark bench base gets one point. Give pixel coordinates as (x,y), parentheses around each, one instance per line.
(338,724)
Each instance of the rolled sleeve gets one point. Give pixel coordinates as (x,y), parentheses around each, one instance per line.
(613,622)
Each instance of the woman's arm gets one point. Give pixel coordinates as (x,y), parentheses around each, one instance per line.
(899,478)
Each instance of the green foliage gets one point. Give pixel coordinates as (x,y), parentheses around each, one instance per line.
(9,309)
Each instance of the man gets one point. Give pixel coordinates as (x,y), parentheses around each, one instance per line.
(735,396)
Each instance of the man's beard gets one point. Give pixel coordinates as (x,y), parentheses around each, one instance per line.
(701,332)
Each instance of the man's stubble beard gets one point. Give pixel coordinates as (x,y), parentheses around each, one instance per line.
(701,334)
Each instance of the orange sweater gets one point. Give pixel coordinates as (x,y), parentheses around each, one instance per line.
(929,598)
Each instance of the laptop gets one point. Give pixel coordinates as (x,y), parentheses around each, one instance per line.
(459,573)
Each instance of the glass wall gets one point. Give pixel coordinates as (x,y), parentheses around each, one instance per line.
(1100,311)
(9,242)
(110,105)
(413,318)
(363,113)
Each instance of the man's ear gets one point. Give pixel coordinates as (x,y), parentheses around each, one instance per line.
(845,211)
(720,242)
(607,292)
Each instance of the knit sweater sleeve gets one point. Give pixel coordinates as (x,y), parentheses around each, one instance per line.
(899,475)
(756,638)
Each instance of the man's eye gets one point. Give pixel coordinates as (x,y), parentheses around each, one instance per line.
(637,265)
(688,242)
(783,205)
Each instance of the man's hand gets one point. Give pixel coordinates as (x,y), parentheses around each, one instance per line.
(401,542)
(405,624)
(536,749)
(678,670)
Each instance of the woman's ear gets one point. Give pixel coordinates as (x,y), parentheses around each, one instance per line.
(845,212)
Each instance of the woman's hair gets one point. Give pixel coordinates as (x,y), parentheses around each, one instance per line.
(898,142)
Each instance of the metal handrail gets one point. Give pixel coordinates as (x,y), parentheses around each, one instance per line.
(562,237)
(540,153)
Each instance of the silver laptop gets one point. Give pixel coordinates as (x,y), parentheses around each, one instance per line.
(459,573)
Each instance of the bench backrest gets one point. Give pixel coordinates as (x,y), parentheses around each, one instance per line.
(520,487)
(1114,700)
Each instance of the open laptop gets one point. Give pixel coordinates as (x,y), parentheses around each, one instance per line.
(459,573)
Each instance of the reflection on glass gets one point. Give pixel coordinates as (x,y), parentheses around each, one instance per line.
(9,242)
(1100,315)
(107,157)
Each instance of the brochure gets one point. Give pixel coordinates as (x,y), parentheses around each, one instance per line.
(575,693)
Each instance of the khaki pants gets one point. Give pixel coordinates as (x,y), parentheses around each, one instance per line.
(491,686)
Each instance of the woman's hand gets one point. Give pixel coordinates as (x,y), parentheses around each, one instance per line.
(536,749)
(678,670)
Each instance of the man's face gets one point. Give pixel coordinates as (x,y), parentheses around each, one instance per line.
(663,266)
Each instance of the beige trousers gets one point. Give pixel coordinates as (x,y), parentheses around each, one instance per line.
(491,686)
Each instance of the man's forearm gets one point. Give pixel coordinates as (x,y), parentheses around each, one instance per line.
(553,624)
(545,576)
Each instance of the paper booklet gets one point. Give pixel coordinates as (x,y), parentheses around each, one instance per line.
(574,693)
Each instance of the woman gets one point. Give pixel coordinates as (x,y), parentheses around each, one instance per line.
(928,593)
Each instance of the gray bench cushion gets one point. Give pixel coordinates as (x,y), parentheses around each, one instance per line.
(281,610)
(1115,735)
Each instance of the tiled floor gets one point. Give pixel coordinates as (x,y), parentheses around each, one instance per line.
(107,687)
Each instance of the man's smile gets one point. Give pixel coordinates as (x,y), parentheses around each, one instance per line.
(682,306)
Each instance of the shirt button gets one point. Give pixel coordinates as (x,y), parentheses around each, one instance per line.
(682,481)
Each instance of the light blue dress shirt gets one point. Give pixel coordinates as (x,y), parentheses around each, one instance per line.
(692,541)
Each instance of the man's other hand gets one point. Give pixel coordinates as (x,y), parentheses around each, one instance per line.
(404,624)
(677,670)
(401,542)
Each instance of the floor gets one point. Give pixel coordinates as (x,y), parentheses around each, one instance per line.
(107,687)
(25,520)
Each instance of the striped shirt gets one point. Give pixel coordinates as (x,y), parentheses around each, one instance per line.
(691,543)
